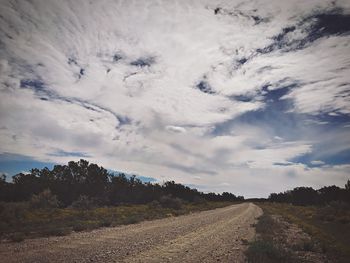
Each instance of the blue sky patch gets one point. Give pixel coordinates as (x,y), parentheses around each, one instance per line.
(12,164)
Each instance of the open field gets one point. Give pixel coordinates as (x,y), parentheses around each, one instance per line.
(18,221)
(327,228)
(215,235)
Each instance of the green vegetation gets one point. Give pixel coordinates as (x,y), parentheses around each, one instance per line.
(86,184)
(310,196)
(20,220)
(324,214)
(265,249)
(328,226)
(83,196)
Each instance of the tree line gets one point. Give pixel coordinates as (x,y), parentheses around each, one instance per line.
(310,196)
(82,179)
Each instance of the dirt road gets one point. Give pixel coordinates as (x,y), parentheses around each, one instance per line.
(211,236)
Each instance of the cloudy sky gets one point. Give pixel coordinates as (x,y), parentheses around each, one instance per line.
(250,97)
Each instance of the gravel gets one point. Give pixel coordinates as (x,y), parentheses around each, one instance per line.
(218,235)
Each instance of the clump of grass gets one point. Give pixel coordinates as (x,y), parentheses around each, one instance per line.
(132,220)
(261,251)
(305,245)
(105,223)
(38,222)
(264,248)
(44,200)
(83,203)
(308,245)
(336,211)
(154,205)
(327,225)
(168,201)
(266,226)
(64,231)
(79,226)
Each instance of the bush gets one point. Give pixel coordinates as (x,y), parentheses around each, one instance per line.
(199,200)
(340,205)
(308,245)
(79,227)
(44,200)
(262,251)
(12,213)
(105,223)
(168,201)
(133,219)
(154,204)
(83,203)
(86,225)
(266,225)
(57,232)
(335,211)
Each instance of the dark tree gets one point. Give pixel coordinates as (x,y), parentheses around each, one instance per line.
(83,181)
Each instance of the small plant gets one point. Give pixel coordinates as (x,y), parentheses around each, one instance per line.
(57,232)
(168,201)
(105,223)
(308,245)
(44,200)
(133,219)
(18,218)
(266,225)
(154,204)
(261,251)
(265,249)
(79,227)
(199,200)
(83,203)
(12,213)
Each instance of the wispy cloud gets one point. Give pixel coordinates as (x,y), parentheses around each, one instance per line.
(218,91)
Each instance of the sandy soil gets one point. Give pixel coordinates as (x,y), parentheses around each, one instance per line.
(218,235)
(294,239)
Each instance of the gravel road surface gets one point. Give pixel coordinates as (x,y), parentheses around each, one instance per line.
(218,235)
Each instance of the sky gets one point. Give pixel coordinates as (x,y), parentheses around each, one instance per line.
(250,97)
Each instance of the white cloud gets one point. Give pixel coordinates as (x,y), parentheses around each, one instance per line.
(93,97)
(317,162)
(175,129)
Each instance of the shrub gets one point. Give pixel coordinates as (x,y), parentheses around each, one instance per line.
(335,211)
(132,220)
(199,200)
(266,225)
(105,223)
(44,200)
(154,204)
(83,203)
(86,225)
(262,251)
(57,231)
(79,227)
(339,205)
(308,245)
(168,201)
(12,213)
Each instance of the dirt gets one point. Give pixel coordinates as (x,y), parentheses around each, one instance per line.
(219,235)
(294,239)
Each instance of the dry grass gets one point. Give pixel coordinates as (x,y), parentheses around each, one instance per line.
(19,221)
(265,249)
(328,225)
